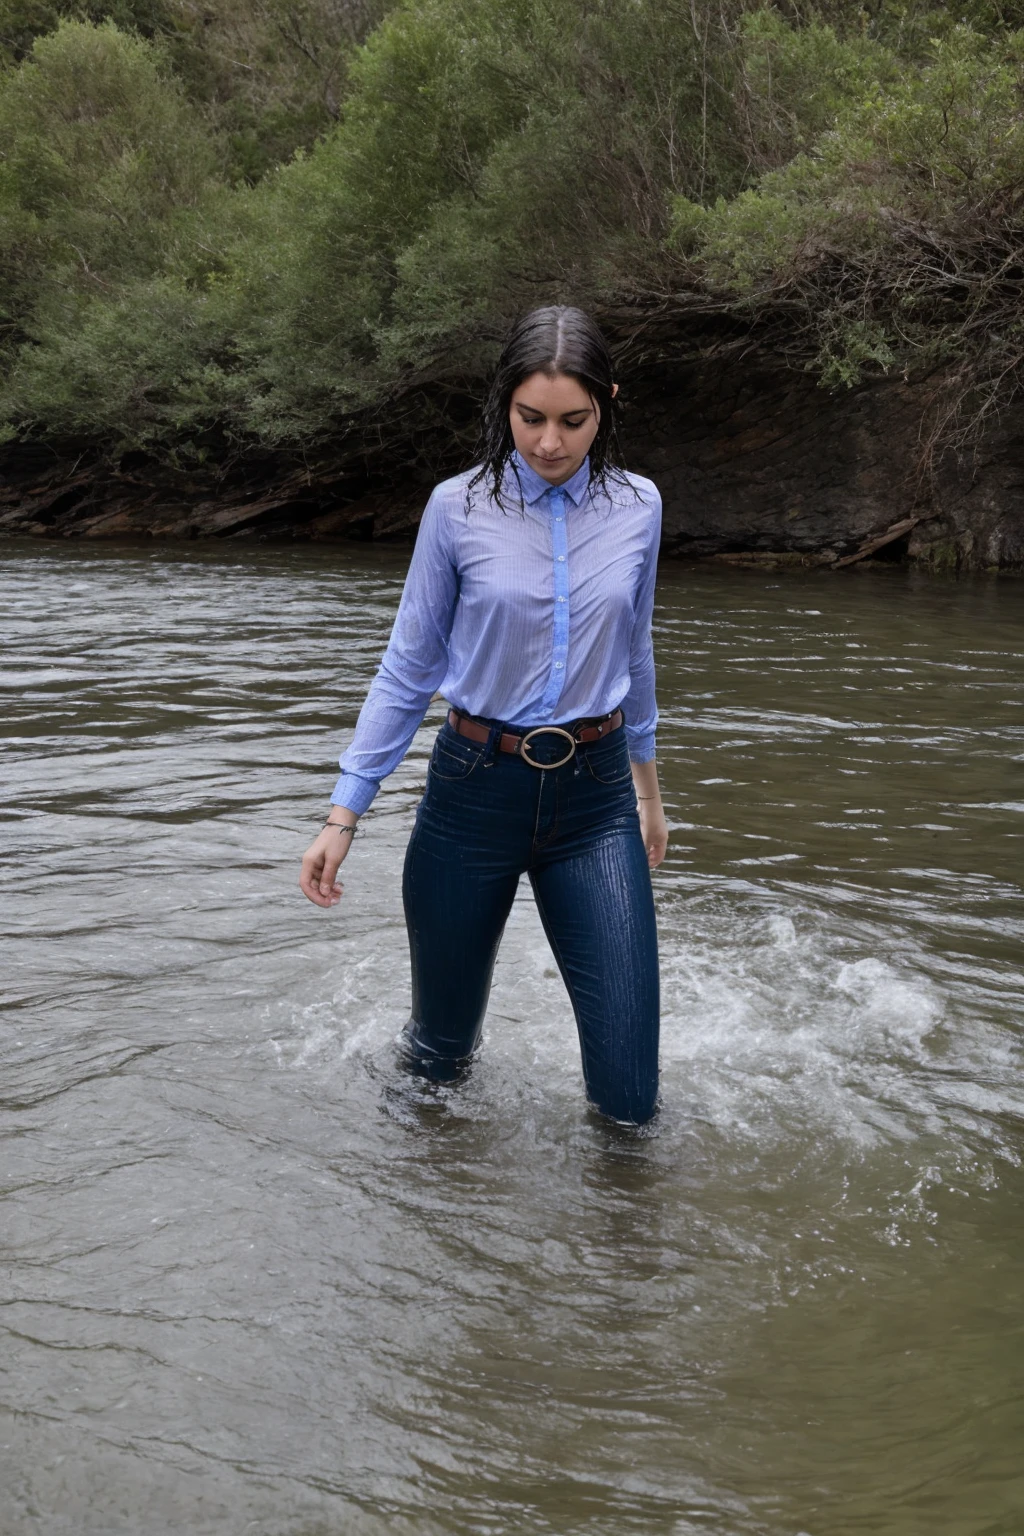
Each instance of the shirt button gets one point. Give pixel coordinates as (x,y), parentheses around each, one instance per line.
(559,663)
(558,519)
(561,599)
(561,557)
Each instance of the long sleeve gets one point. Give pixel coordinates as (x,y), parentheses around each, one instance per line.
(639,707)
(414,666)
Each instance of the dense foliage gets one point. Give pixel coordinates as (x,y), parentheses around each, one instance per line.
(246,221)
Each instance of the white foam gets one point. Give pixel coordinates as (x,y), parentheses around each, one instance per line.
(769,1033)
(774,1030)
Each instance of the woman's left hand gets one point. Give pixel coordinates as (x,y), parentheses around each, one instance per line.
(654,829)
(652,813)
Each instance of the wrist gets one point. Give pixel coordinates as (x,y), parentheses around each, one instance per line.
(343,819)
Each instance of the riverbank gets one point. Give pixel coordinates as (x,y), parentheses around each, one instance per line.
(757,464)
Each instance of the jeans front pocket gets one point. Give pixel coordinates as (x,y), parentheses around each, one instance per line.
(455,757)
(608,761)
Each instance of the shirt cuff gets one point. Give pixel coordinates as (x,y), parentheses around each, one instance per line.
(354,792)
(642,746)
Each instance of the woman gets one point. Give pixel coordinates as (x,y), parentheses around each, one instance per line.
(528,602)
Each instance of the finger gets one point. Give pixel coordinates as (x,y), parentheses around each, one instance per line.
(312,865)
(309,885)
(316,894)
(312,876)
(329,874)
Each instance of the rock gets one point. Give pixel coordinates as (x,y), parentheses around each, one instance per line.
(753,460)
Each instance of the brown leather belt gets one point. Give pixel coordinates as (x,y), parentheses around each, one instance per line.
(580,731)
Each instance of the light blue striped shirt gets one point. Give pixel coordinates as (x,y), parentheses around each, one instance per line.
(536,614)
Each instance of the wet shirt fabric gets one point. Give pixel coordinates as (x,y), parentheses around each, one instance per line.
(534,612)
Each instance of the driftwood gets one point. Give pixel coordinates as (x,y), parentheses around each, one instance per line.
(896,531)
(777,557)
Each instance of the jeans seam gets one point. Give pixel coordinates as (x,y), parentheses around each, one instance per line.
(549,935)
(536,821)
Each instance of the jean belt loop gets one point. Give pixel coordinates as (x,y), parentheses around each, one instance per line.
(577,762)
(491,750)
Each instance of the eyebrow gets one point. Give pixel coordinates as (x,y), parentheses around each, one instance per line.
(581,410)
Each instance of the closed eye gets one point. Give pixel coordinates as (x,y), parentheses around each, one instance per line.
(568,421)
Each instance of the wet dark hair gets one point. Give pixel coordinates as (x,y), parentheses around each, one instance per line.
(553,340)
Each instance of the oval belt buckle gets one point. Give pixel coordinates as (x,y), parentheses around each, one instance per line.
(551,730)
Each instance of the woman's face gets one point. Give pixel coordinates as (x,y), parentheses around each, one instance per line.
(554,421)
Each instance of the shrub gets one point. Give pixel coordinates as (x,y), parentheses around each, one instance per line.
(845,183)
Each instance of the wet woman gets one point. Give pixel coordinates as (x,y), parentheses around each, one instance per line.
(528,604)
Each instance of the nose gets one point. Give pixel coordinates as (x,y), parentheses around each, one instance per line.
(550,439)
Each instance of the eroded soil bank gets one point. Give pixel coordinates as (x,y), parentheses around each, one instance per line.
(755,462)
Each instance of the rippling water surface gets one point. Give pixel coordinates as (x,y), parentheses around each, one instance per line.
(254,1280)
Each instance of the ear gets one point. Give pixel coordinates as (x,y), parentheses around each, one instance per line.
(615,390)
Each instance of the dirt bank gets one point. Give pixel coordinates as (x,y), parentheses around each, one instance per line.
(755,462)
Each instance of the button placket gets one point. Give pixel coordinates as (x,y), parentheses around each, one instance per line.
(560,617)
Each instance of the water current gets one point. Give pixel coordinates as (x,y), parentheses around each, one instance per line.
(253,1279)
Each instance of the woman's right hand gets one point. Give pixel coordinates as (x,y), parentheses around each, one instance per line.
(322,860)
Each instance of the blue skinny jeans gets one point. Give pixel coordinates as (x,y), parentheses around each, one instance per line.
(488,817)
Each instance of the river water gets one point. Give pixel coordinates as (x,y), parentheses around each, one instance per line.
(256,1280)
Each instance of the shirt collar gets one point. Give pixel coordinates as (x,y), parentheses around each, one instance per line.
(534,486)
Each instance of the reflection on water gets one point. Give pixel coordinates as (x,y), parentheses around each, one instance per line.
(257,1280)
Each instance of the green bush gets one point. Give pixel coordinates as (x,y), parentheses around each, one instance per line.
(101,156)
(844,181)
(896,241)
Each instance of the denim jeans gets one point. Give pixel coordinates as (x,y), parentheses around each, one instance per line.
(486,818)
